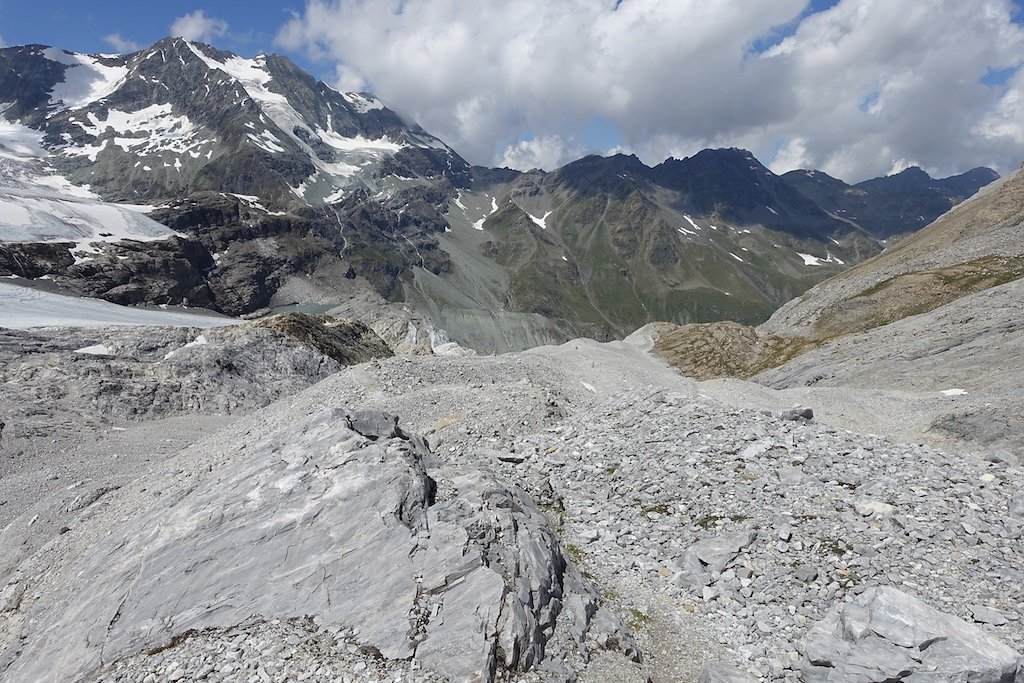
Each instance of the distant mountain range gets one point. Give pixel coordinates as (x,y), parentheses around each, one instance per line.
(254,185)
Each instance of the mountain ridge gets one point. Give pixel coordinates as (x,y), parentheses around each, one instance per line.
(276,183)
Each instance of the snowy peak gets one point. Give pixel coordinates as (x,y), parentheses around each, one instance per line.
(182,116)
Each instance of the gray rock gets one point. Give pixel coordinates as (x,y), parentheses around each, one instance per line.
(885,634)
(712,555)
(1002,456)
(716,553)
(987,615)
(346,531)
(797,414)
(806,574)
(374,424)
(872,508)
(718,672)
(1016,505)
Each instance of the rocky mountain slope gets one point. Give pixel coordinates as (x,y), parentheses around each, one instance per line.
(893,205)
(972,247)
(939,313)
(255,186)
(604,245)
(573,512)
(264,176)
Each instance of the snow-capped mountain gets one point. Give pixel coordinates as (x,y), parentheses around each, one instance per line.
(37,204)
(260,170)
(182,116)
(245,183)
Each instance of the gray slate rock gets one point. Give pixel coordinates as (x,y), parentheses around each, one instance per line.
(885,635)
(320,521)
(1016,505)
(712,555)
(723,673)
(374,424)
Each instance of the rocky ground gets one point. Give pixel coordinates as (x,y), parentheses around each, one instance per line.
(680,523)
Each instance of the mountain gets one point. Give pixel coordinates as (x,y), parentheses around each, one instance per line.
(182,174)
(893,205)
(181,117)
(606,244)
(977,245)
(938,312)
(262,177)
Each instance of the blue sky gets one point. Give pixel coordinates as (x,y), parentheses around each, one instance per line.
(82,26)
(854,87)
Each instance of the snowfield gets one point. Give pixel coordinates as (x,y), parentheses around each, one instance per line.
(40,216)
(38,205)
(21,308)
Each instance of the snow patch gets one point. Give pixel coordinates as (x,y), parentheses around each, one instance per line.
(28,215)
(21,308)
(362,103)
(18,142)
(542,222)
(691,222)
(736,257)
(479,225)
(953,392)
(95,350)
(357,143)
(267,141)
(86,79)
(810,260)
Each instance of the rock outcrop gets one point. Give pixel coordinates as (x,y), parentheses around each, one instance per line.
(150,372)
(334,519)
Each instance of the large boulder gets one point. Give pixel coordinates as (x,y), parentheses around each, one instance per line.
(333,519)
(711,556)
(886,635)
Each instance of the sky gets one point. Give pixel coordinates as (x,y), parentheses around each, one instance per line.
(856,88)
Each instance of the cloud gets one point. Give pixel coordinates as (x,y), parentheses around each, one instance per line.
(853,89)
(120,44)
(546,152)
(197,26)
(3,43)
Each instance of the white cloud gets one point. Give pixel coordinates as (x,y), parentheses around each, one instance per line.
(853,90)
(3,43)
(197,26)
(546,152)
(120,44)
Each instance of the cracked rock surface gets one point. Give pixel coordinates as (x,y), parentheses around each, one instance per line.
(322,521)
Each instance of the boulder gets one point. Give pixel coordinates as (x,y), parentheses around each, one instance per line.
(712,555)
(886,635)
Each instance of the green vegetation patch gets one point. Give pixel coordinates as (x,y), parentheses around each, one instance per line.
(915,293)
